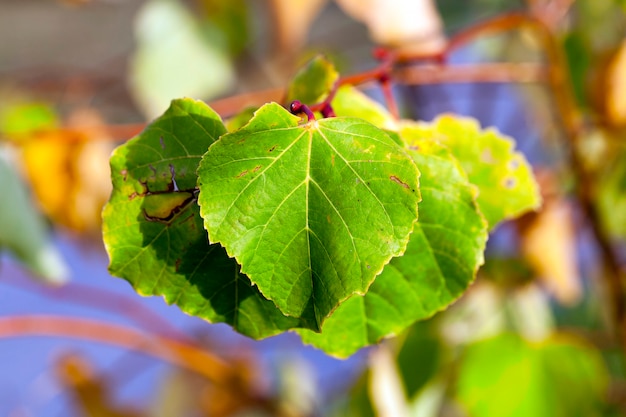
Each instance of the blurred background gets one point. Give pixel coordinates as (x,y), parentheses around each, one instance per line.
(540,333)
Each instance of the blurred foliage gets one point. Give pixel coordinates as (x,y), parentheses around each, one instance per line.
(501,350)
(508,376)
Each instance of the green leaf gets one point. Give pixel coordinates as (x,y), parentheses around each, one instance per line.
(441,260)
(153,230)
(507,187)
(313,82)
(240,119)
(23,230)
(312,212)
(508,376)
(24,118)
(350,102)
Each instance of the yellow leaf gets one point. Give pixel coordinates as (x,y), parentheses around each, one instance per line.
(616,88)
(69,173)
(548,243)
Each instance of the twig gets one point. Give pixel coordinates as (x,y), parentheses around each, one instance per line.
(183,354)
(104,300)
(472,73)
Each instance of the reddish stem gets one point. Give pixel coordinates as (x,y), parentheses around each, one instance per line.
(296,107)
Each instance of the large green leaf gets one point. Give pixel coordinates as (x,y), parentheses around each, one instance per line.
(153,230)
(312,212)
(313,82)
(504,178)
(443,255)
(508,376)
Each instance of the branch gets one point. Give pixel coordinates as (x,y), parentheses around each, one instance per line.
(183,354)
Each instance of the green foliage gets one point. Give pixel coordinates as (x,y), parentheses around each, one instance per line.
(25,118)
(153,230)
(312,225)
(313,82)
(509,376)
(353,103)
(443,255)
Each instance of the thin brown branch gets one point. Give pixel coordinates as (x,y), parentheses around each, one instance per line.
(562,92)
(183,354)
(103,300)
(472,73)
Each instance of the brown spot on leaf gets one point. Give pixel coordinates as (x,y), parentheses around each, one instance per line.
(509,183)
(272,148)
(414,148)
(399,181)
(256,168)
(162,142)
(177,264)
(124,174)
(242,174)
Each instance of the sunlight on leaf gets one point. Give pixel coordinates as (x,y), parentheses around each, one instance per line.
(504,178)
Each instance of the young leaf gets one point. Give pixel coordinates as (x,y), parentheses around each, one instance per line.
(313,82)
(311,212)
(351,102)
(441,260)
(153,230)
(504,178)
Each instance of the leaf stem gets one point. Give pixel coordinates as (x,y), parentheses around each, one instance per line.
(297,107)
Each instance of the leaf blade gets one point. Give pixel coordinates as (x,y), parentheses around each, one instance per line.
(441,260)
(295,219)
(154,234)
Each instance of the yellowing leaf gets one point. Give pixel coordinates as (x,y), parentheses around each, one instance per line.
(549,245)
(616,88)
(69,175)
(507,187)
